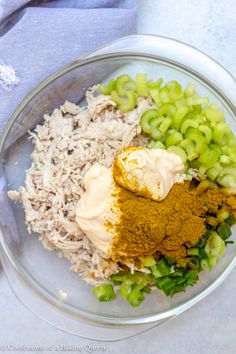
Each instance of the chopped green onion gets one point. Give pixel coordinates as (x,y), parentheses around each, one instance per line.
(230,220)
(163,267)
(224,231)
(193,252)
(222,214)
(104,292)
(135,297)
(191,277)
(155,271)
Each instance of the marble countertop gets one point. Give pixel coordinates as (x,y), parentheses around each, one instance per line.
(210,326)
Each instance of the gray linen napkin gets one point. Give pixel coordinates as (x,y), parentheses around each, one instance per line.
(38,37)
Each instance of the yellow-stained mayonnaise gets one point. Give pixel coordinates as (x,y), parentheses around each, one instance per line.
(96,206)
(148,172)
(137,169)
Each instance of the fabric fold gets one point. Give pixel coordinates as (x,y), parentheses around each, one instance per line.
(46,38)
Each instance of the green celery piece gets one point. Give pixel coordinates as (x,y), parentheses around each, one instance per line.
(167,109)
(106,89)
(174,139)
(155,133)
(189,148)
(221,133)
(209,157)
(174,90)
(164,95)
(213,172)
(126,103)
(179,116)
(121,84)
(156,84)
(187,124)
(147,118)
(156,145)
(207,132)
(155,95)
(214,114)
(164,126)
(141,85)
(178,151)
(190,90)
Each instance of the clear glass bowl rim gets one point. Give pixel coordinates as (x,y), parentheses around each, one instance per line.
(23,274)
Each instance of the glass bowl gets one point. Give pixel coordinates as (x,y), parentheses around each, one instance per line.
(42,280)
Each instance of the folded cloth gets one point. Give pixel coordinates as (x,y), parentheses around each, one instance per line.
(40,38)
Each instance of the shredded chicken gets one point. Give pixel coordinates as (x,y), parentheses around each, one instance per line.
(66,145)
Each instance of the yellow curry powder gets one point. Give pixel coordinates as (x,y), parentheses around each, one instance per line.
(168,227)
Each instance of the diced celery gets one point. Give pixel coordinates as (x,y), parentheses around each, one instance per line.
(178,151)
(167,109)
(164,95)
(121,83)
(155,133)
(156,145)
(146,119)
(190,90)
(126,103)
(221,133)
(214,171)
(187,124)
(173,139)
(164,126)
(209,157)
(141,84)
(156,84)
(214,113)
(175,90)
(207,132)
(179,116)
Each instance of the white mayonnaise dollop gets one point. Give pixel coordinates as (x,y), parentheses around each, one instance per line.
(96,206)
(148,172)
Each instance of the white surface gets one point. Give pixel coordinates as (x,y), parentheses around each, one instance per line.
(210,326)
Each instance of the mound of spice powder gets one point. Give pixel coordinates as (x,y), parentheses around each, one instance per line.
(169,227)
